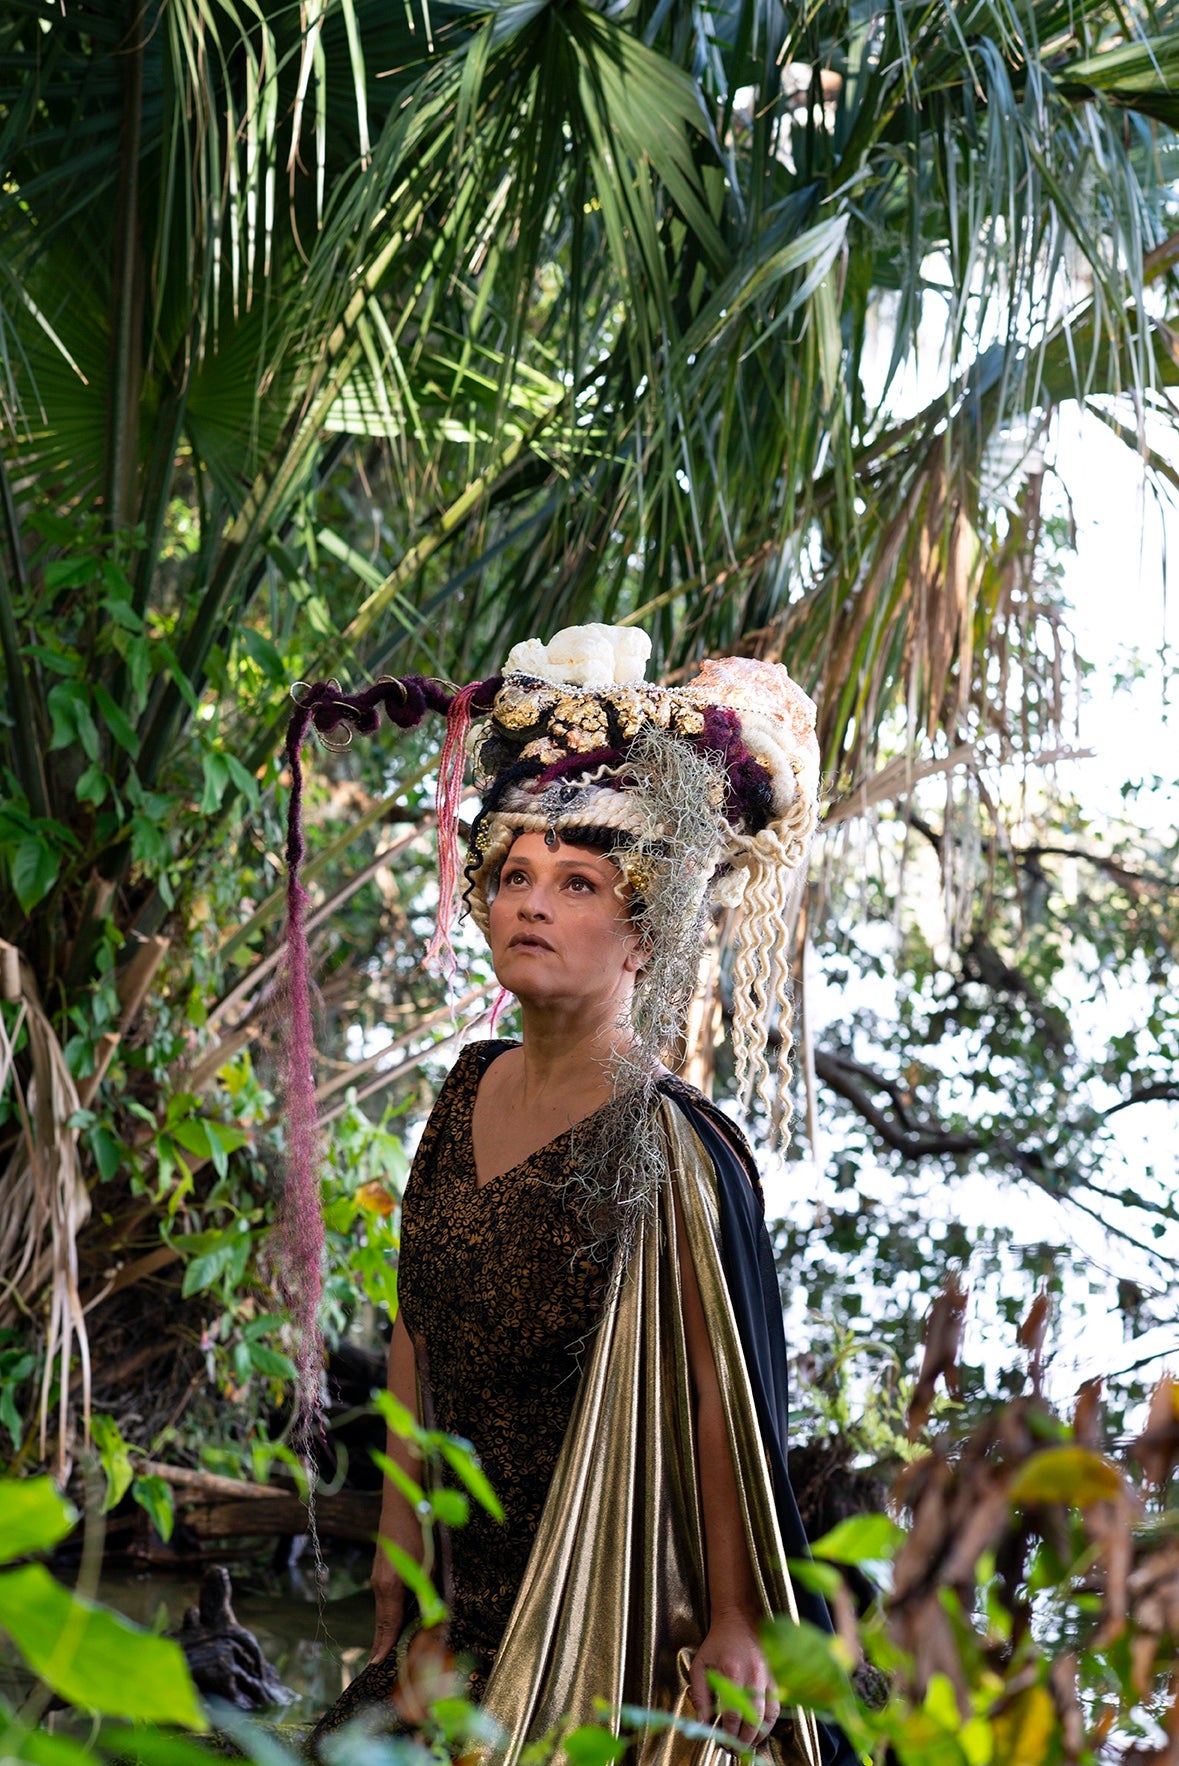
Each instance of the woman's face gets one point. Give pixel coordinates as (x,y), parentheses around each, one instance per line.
(560,925)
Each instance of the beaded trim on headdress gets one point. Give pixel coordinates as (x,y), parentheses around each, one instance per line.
(706,794)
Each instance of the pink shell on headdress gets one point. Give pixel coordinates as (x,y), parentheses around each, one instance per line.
(745,684)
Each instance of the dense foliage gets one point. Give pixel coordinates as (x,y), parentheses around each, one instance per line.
(371,338)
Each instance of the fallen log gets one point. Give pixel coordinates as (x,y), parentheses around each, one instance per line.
(213,1507)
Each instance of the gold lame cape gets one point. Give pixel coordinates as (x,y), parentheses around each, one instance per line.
(614,1600)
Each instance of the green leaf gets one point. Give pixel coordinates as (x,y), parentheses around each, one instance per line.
(33,1517)
(450,1506)
(399,1478)
(42,1749)
(9,1415)
(34,868)
(804,1662)
(69,707)
(216,773)
(94,1659)
(117,721)
(109,1152)
(862,1539)
(141,1746)
(1066,1474)
(823,1579)
(202,1272)
(116,1462)
(731,1697)
(92,786)
(149,843)
(245,781)
(154,1496)
(591,1746)
(193,1136)
(123,613)
(460,1457)
(270,1362)
(431,1607)
(261,651)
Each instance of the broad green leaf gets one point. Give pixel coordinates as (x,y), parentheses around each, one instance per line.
(862,1539)
(149,843)
(193,1136)
(154,1496)
(33,1517)
(93,1658)
(806,1664)
(109,1152)
(1066,1474)
(270,1362)
(92,786)
(69,707)
(591,1746)
(202,1272)
(116,1462)
(9,1414)
(34,868)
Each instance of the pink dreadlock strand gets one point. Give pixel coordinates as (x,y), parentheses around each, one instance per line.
(500,1001)
(440,951)
(299,1224)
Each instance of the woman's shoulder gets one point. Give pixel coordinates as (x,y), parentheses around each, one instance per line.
(695,1104)
(471,1064)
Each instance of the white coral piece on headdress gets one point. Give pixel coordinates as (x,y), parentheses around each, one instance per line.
(584,656)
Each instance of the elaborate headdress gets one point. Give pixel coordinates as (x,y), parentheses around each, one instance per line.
(703,794)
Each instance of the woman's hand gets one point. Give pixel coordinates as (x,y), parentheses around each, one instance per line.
(389,1597)
(731,1648)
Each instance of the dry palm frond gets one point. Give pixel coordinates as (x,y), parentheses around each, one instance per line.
(46,1204)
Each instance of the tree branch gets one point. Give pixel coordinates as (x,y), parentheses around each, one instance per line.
(842,1075)
(1166,1090)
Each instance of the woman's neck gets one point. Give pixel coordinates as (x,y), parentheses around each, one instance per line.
(573,1053)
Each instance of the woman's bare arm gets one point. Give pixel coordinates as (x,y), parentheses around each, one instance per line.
(398,1521)
(731,1646)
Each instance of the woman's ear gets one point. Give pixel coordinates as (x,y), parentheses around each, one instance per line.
(638,956)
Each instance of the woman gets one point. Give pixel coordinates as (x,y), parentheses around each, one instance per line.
(587,1290)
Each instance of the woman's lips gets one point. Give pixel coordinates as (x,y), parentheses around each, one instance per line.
(528,941)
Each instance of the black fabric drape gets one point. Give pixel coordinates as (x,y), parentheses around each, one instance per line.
(752,1280)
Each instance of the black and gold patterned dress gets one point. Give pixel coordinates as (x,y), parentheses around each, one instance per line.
(499,1296)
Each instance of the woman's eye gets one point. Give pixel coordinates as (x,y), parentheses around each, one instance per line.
(580,884)
(513,877)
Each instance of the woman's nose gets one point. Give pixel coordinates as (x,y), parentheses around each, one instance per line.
(535,906)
